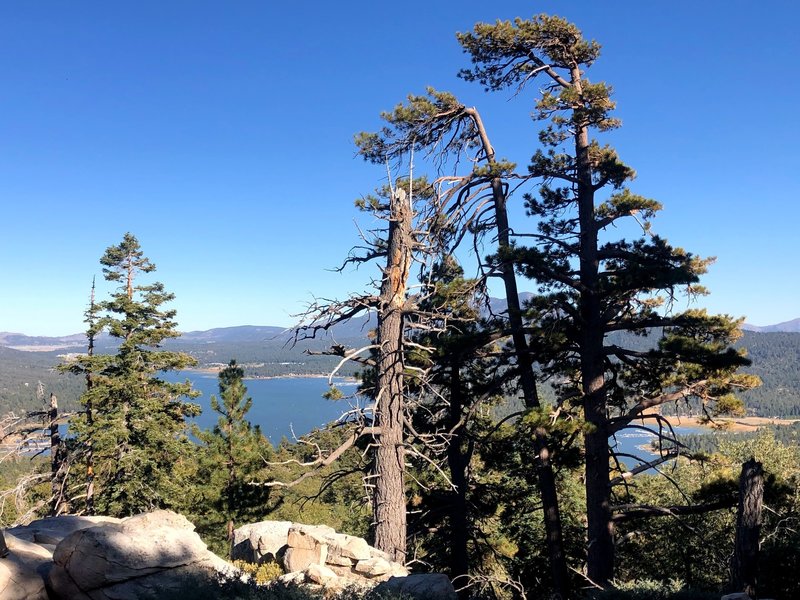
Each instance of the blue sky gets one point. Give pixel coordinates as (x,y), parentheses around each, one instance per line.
(220,134)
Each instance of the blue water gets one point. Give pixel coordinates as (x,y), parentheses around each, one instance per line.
(280,405)
(293,406)
(629,442)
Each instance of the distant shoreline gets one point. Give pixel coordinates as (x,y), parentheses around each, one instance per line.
(215,370)
(740,424)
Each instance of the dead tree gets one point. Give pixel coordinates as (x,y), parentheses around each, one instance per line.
(442,128)
(58,502)
(28,436)
(409,210)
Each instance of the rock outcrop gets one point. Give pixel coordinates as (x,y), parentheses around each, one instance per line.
(20,570)
(318,555)
(101,558)
(155,555)
(260,542)
(30,554)
(148,555)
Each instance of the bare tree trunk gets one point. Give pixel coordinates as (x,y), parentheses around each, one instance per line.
(56,460)
(544,466)
(744,563)
(90,411)
(390,498)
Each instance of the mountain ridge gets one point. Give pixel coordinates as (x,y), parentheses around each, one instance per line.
(792,326)
(262,333)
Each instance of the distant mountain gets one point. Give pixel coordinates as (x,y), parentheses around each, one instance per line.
(241,333)
(792,326)
(20,341)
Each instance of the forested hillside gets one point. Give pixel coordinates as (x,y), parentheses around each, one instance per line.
(776,360)
(270,352)
(20,373)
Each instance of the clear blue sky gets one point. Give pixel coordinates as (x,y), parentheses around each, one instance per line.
(220,134)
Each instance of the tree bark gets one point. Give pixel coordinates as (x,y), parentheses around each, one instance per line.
(390,498)
(744,563)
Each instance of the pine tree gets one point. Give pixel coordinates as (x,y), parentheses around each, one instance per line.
(134,423)
(594,287)
(233,454)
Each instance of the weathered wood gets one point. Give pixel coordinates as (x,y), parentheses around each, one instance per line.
(390,498)
(744,563)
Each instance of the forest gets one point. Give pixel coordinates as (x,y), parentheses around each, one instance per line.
(484,448)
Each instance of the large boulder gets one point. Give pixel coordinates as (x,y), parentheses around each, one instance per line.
(260,542)
(30,554)
(421,586)
(51,530)
(145,556)
(21,570)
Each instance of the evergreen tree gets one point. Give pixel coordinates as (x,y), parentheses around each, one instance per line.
(134,422)
(234,452)
(591,285)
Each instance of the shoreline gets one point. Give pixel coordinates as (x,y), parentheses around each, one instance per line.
(215,370)
(740,424)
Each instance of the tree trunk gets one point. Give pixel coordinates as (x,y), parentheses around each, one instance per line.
(56,460)
(600,527)
(744,564)
(544,467)
(390,498)
(89,412)
(458,458)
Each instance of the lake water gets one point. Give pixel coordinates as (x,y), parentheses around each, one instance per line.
(295,404)
(632,441)
(280,405)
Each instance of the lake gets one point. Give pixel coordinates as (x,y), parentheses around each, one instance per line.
(280,405)
(629,442)
(285,404)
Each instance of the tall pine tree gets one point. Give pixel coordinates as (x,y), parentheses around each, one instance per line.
(134,421)
(599,293)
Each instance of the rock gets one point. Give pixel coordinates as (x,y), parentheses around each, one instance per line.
(348,547)
(260,542)
(320,574)
(298,559)
(338,560)
(292,578)
(348,560)
(373,567)
(30,555)
(20,570)
(52,530)
(146,555)
(375,553)
(423,586)
(309,536)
